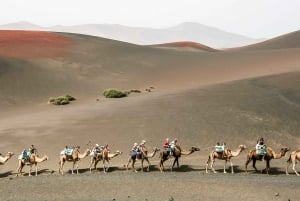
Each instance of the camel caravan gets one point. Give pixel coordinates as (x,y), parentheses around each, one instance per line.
(139,152)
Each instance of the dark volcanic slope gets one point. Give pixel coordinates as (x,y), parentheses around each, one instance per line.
(86,65)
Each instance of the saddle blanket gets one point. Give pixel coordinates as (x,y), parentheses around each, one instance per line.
(67,152)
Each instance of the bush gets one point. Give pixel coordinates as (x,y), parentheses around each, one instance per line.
(61,100)
(114,93)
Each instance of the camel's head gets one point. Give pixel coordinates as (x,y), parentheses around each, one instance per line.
(156,149)
(9,154)
(283,150)
(242,147)
(195,149)
(88,151)
(118,152)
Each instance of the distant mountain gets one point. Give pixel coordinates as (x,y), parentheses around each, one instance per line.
(22,25)
(187,31)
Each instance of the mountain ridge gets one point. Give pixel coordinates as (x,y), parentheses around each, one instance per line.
(186,31)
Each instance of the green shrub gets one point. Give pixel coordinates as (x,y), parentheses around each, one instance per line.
(61,100)
(114,93)
(135,91)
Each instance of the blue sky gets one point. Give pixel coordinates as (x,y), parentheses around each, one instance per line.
(254,18)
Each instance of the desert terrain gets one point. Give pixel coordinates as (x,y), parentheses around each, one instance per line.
(199,96)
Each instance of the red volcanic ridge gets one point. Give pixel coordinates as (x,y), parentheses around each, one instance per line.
(32,44)
(187,44)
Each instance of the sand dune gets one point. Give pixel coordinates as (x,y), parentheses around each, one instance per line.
(185,46)
(199,97)
(290,40)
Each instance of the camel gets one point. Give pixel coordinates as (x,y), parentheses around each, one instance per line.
(294,156)
(75,157)
(144,156)
(228,154)
(33,160)
(252,156)
(104,156)
(164,155)
(4,159)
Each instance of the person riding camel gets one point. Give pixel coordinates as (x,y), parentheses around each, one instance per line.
(32,149)
(106,147)
(26,153)
(96,150)
(167,146)
(220,148)
(261,148)
(143,147)
(135,150)
(172,146)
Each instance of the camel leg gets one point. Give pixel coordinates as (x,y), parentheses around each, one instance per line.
(212,166)
(175,161)
(161,164)
(287,167)
(267,166)
(148,168)
(232,171)
(20,168)
(77,167)
(36,169)
(132,165)
(73,167)
(207,164)
(294,168)
(104,169)
(246,164)
(91,164)
(108,161)
(61,165)
(129,161)
(225,166)
(253,165)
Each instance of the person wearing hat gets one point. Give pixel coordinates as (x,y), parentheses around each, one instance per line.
(32,149)
(96,150)
(143,147)
(135,150)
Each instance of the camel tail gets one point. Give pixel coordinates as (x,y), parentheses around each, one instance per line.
(208,160)
(289,160)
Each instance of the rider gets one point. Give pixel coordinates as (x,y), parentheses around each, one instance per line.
(106,147)
(220,148)
(172,146)
(32,149)
(143,147)
(166,146)
(261,148)
(135,149)
(96,150)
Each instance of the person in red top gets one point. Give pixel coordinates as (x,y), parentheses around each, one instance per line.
(166,144)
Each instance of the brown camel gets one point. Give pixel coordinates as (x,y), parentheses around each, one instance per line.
(144,156)
(228,154)
(164,155)
(252,156)
(4,159)
(294,156)
(75,157)
(105,155)
(33,160)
